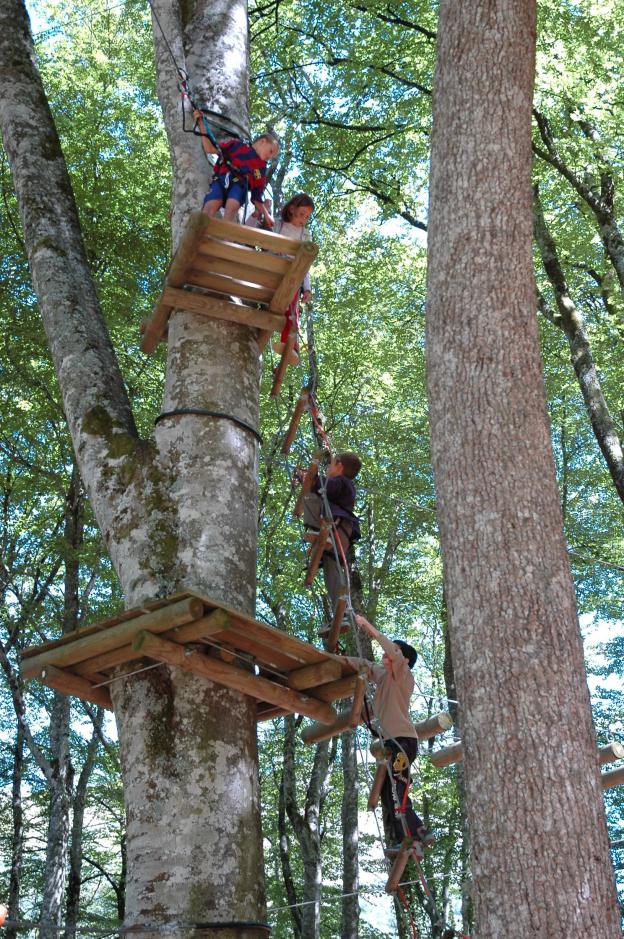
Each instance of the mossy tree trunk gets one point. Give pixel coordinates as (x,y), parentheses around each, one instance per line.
(540,853)
(177,510)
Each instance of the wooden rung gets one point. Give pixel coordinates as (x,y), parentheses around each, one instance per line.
(437,724)
(300,407)
(70,684)
(345,720)
(447,755)
(280,371)
(317,552)
(613,777)
(99,643)
(358,700)
(232,677)
(306,485)
(400,863)
(336,628)
(220,309)
(228,286)
(380,776)
(337,690)
(611,752)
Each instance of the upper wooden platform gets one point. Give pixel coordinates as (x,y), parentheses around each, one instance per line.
(231,272)
(281,672)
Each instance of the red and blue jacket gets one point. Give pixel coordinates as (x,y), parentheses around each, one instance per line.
(242,159)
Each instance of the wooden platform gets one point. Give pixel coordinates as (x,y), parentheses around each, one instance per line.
(231,272)
(281,672)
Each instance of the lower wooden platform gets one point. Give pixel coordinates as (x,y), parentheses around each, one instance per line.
(191,631)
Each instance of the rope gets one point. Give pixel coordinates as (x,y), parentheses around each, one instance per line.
(203,412)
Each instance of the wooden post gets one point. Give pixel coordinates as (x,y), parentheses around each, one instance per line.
(380,777)
(74,685)
(289,348)
(358,700)
(336,627)
(611,752)
(337,690)
(312,675)
(447,755)
(346,719)
(284,294)
(300,407)
(232,677)
(306,484)
(160,620)
(317,552)
(433,725)
(220,309)
(613,777)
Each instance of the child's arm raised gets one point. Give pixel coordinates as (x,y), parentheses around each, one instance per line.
(207,144)
(386,644)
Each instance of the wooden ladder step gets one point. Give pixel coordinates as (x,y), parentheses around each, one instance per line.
(318,548)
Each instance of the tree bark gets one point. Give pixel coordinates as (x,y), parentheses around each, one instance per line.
(539,840)
(17,836)
(176,511)
(350,910)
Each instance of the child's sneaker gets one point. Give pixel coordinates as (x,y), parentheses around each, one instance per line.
(426,837)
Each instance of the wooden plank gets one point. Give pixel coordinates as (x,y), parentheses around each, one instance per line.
(613,777)
(244,235)
(228,286)
(301,405)
(611,752)
(190,632)
(280,371)
(243,257)
(115,636)
(317,552)
(433,725)
(187,249)
(313,675)
(232,677)
(447,755)
(264,653)
(251,275)
(292,280)
(222,309)
(70,684)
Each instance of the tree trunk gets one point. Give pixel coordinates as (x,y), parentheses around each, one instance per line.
(534,802)
(60,784)
(350,911)
(175,512)
(17,837)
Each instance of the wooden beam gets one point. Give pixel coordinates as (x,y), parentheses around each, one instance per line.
(611,752)
(165,617)
(227,285)
(613,777)
(70,684)
(187,249)
(155,327)
(317,552)
(217,620)
(337,690)
(313,675)
(220,309)
(400,863)
(246,682)
(243,234)
(270,713)
(433,725)
(447,755)
(288,288)
(345,720)
(301,405)
(280,371)
(358,700)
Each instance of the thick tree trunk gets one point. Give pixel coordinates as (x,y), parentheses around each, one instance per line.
(178,512)
(539,840)
(17,836)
